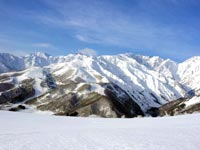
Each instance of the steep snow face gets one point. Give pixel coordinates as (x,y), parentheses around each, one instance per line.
(169,69)
(147,87)
(37,59)
(142,83)
(189,72)
(36,73)
(189,67)
(150,62)
(78,67)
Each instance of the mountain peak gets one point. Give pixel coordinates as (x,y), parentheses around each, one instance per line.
(193,59)
(39,54)
(42,54)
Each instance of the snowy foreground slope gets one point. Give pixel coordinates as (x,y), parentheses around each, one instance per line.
(23,131)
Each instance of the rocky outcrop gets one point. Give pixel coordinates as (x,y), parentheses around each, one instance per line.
(6,86)
(122,101)
(172,107)
(177,107)
(49,80)
(17,108)
(17,93)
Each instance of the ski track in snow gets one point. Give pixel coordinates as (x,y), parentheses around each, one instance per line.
(23,131)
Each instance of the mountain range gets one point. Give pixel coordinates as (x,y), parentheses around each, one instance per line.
(107,86)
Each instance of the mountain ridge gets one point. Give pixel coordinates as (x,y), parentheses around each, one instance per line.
(149,81)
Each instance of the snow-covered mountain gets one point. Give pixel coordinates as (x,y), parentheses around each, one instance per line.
(10,62)
(148,81)
(37,59)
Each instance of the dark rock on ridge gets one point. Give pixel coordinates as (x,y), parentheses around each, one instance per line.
(18,93)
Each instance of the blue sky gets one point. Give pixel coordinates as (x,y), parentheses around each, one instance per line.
(167,28)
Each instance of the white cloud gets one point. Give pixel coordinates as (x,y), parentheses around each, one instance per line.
(88,51)
(43,45)
(81,38)
(88,39)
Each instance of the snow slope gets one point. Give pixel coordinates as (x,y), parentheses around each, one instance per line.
(22,131)
(189,72)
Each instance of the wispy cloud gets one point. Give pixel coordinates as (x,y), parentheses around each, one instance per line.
(103,23)
(89,38)
(159,26)
(42,45)
(82,38)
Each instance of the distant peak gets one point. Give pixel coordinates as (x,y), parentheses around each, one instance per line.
(83,55)
(40,54)
(193,58)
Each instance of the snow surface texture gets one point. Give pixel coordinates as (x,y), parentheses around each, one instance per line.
(150,81)
(23,131)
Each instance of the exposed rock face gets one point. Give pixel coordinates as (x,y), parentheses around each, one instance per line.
(16,93)
(18,108)
(122,101)
(171,108)
(178,107)
(154,112)
(6,86)
(49,80)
